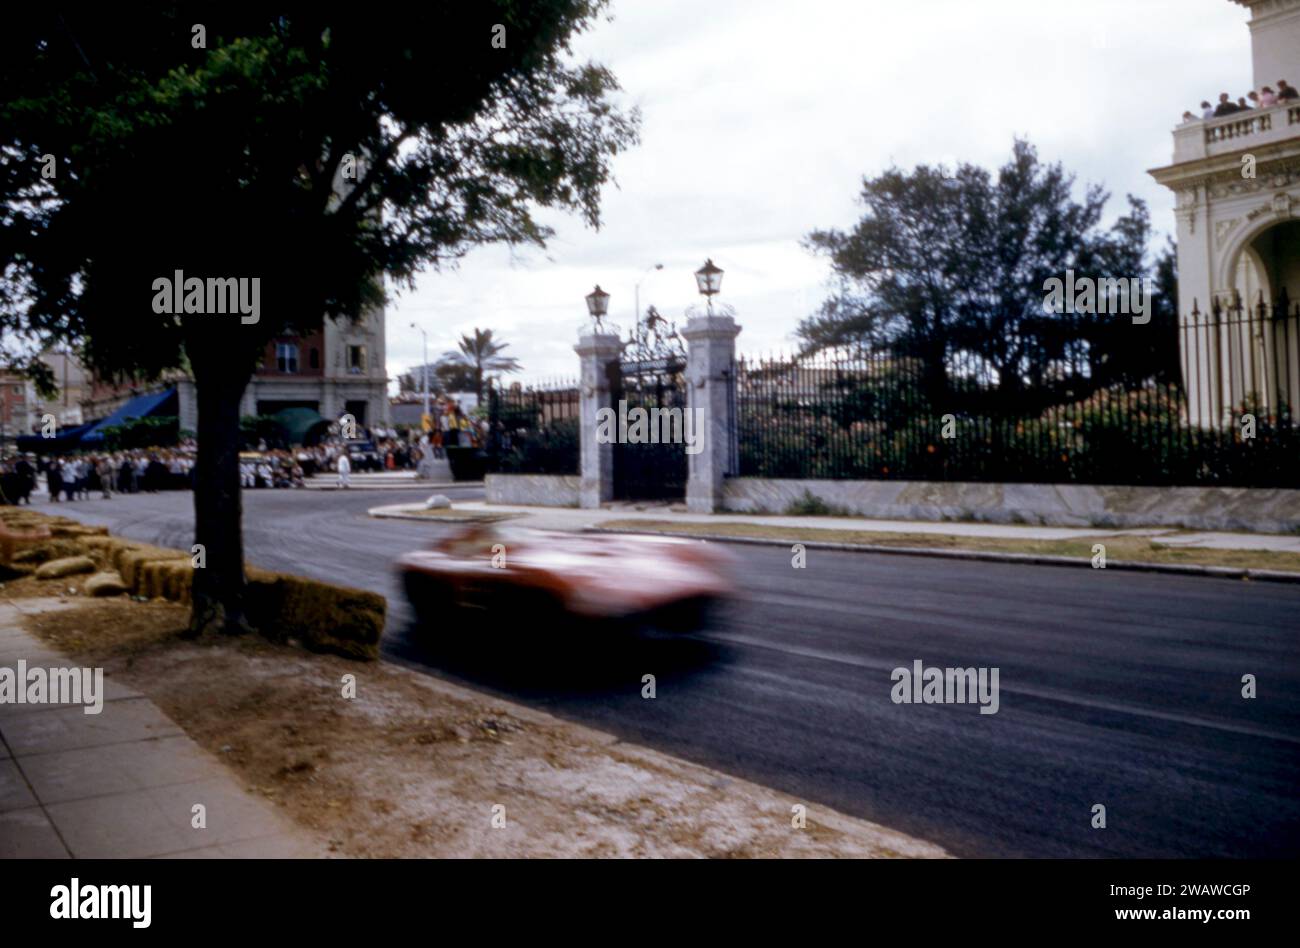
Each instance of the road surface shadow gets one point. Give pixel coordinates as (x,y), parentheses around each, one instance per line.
(553,661)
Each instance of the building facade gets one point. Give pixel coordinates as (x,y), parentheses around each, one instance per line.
(19,406)
(338,369)
(1236,181)
(73,388)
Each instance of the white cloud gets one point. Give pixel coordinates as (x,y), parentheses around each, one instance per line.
(762,116)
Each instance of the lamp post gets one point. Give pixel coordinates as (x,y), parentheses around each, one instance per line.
(597,305)
(424,369)
(708,279)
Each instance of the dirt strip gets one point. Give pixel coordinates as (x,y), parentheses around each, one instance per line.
(415,767)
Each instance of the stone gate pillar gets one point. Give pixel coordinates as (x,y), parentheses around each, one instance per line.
(596,350)
(710,358)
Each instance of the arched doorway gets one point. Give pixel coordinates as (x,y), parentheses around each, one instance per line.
(1256,324)
(1275,254)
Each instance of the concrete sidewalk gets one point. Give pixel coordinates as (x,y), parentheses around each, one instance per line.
(122,783)
(383,480)
(569,518)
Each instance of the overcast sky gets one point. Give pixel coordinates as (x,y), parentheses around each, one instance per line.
(761,117)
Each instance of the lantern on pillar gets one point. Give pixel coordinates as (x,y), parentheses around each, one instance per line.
(597,305)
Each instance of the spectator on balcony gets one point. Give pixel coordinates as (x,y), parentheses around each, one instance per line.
(1266,98)
(1285,92)
(1226,105)
(1207,110)
(1243,105)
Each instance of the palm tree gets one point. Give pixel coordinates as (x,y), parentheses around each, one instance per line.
(481,354)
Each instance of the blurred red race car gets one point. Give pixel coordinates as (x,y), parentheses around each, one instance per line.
(533,575)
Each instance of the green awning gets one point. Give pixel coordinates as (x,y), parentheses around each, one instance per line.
(301,425)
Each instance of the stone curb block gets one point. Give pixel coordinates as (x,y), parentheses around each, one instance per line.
(416,485)
(384,513)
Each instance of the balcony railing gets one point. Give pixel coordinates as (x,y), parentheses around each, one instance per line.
(1255,122)
(1238,125)
(1205,138)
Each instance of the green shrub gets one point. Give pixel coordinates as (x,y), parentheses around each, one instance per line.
(809,505)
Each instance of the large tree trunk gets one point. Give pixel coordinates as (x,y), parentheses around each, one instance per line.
(218,588)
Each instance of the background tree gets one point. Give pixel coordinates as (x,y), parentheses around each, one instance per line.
(445,375)
(948,265)
(453,375)
(237,160)
(412,382)
(480,354)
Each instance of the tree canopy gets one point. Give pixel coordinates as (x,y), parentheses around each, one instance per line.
(316,150)
(226,160)
(480,354)
(954,260)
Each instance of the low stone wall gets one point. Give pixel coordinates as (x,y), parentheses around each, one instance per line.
(1063,505)
(538,490)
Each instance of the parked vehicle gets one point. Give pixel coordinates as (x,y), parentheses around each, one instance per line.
(533,577)
(364,455)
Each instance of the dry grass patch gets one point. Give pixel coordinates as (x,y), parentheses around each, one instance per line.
(26,586)
(102,629)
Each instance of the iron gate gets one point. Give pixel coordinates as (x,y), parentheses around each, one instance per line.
(656,470)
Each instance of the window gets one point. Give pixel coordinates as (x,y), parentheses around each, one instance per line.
(356,360)
(313,358)
(286,357)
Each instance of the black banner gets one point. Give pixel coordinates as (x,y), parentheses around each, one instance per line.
(330,897)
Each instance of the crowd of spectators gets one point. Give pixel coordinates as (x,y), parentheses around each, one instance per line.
(1264,98)
(76,477)
(81,475)
(376,449)
(454,428)
(271,469)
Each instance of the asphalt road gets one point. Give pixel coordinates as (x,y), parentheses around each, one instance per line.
(1116,688)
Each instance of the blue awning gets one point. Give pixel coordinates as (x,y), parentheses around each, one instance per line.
(64,440)
(142,406)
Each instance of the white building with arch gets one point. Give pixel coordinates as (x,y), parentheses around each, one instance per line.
(1236,181)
